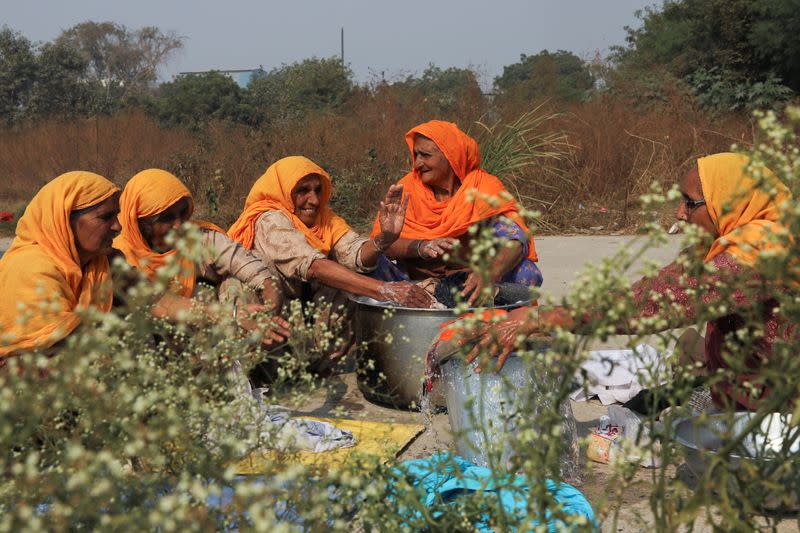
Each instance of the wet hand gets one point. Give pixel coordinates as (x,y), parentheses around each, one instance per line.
(406,294)
(498,339)
(473,289)
(435,248)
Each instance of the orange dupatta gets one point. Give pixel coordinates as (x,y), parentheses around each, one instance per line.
(428,218)
(273,192)
(744,213)
(42,266)
(148,193)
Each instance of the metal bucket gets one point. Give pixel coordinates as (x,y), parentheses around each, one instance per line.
(702,436)
(483,410)
(393,372)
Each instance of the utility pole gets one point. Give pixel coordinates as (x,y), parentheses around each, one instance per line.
(342,46)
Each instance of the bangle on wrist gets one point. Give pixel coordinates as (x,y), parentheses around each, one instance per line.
(235,312)
(378,247)
(419,245)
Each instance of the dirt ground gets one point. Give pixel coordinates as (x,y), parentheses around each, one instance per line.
(561,258)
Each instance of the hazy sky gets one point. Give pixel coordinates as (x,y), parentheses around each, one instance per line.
(396,38)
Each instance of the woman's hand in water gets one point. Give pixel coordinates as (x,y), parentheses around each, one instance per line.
(406,294)
(391,216)
(498,339)
(473,290)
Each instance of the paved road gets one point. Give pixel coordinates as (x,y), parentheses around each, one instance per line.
(561,258)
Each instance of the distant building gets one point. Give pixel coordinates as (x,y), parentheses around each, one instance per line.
(242,77)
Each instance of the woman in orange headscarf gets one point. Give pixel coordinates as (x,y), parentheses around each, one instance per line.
(449,193)
(57,263)
(287,220)
(153,204)
(742,216)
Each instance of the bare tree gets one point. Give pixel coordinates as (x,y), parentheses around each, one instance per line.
(123,61)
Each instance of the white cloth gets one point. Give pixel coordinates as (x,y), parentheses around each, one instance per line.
(276,426)
(616,376)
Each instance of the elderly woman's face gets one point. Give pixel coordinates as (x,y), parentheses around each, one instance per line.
(306,197)
(95,229)
(430,163)
(690,210)
(155,228)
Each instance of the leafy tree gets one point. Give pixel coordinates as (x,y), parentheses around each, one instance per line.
(561,75)
(125,62)
(310,85)
(775,35)
(445,89)
(40,80)
(17,72)
(59,88)
(194,99)
(734,53)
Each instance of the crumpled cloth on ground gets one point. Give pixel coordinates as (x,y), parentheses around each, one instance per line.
(276,425)
(445,477)
(301,434)
(616,376)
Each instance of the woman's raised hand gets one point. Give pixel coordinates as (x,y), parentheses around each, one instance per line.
(406,294)
(391,216)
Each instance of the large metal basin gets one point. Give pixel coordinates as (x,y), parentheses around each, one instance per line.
(752,463)
(484,410)
(391,369)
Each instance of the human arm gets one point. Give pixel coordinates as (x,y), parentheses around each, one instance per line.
(227,258)
(421,248)
(337,276)
(513,250)
(507,258)
(668,295)
(174,307)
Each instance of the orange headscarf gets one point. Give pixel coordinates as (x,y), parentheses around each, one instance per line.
(149,193)
(273,192)
(743,211)
(428,218)
(42,266)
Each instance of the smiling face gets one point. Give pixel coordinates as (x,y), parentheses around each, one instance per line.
(94,229)
(155,228)
(692,191)
(431,164)
(306,197)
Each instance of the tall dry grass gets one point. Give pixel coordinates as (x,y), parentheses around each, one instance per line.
(113,146)
(614,152)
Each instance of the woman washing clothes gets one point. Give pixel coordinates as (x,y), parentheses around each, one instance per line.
(317,257)
(57,264)
(741,216)
(155,203)
(448,194)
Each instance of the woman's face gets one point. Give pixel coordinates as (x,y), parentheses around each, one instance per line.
(306,196)
(95,229)
(688,210)
(155,228)
(430,163)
